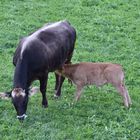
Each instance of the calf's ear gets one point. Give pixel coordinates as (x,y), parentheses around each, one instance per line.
(63,69)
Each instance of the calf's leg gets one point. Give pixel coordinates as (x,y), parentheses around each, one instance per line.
(78,92)
(43,85)
(127,94)
(124,93)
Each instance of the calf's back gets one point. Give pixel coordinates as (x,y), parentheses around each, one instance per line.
(94,73)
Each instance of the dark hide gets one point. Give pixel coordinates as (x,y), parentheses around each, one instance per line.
(42,52)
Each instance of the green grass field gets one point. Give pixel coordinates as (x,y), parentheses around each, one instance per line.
(107,31)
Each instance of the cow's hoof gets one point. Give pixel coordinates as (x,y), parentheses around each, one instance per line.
(44,103)
(44,106)
(56,96)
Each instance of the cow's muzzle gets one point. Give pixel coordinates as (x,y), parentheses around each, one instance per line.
(21,117)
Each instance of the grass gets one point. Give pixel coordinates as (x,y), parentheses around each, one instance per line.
(107,31)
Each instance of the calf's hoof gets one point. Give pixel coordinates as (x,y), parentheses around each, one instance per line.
(130,103)
(126,105)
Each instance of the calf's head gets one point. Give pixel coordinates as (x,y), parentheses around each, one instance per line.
(20,101)
(60,71)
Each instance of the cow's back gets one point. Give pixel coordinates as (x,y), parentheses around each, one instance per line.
(47,48)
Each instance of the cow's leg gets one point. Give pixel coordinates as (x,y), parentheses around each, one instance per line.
(57,77)
(78,92)
(123,92)
(60,79)
(43,84)
(58,85)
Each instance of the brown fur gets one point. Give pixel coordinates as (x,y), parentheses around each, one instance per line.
(88,73)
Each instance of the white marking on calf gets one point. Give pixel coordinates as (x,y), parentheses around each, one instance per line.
(34,35)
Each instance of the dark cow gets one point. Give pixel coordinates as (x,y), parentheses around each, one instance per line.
(44,51)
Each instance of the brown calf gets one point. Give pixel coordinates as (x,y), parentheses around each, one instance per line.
(88,73)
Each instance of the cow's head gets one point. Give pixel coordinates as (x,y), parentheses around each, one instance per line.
(20,101)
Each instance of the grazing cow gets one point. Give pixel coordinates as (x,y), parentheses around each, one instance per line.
(44,51)
(87,73)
